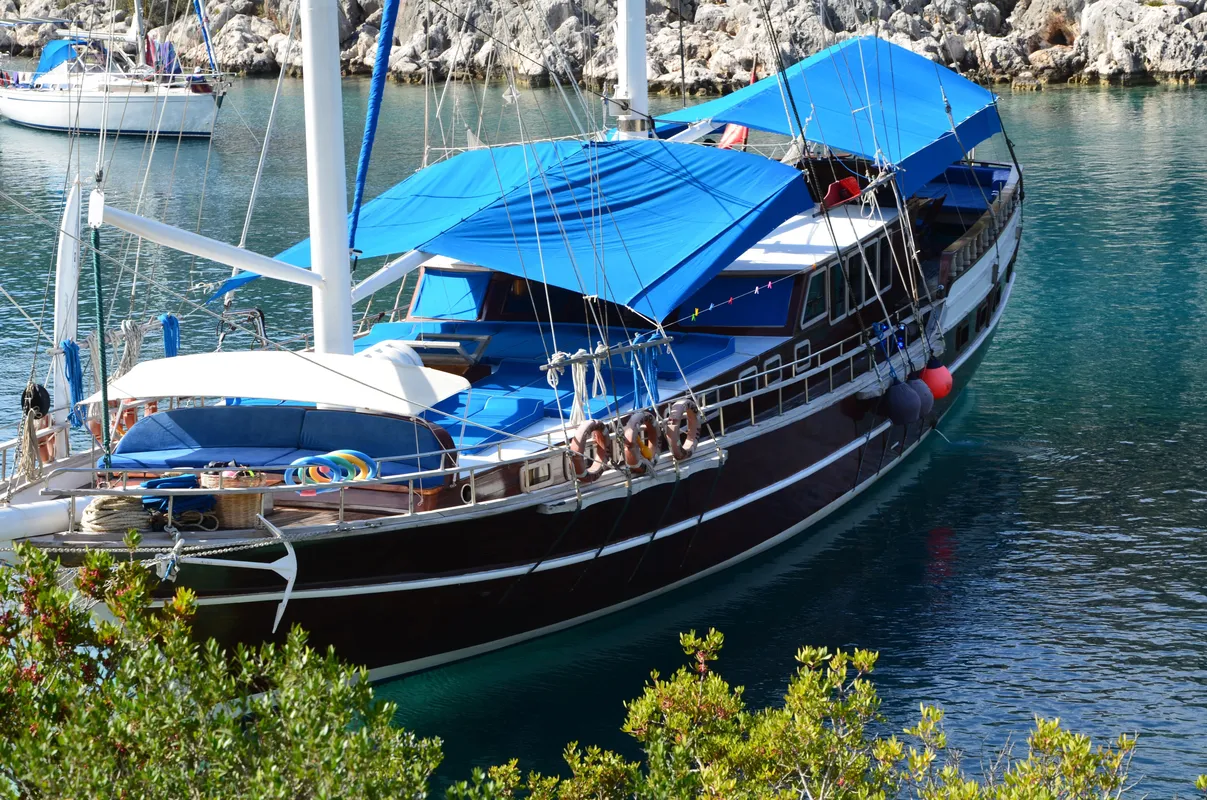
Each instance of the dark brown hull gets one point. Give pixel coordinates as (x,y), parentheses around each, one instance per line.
(407,599)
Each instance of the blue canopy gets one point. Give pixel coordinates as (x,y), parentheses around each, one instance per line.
(869,97)
(643,223)
(56,52)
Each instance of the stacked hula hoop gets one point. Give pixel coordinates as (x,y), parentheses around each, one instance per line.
(330,469)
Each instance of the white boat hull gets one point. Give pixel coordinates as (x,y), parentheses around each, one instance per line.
(143,109)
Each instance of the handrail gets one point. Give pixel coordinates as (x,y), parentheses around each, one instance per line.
(983,234)
(904,316)
(12,444)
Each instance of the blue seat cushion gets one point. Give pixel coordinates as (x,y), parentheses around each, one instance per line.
(377,436)
(271,436)
(215,427)
(200,456)
(488,418)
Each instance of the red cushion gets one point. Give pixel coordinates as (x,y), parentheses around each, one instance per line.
(841,191)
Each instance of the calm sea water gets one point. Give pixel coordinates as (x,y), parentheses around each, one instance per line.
(1049,558)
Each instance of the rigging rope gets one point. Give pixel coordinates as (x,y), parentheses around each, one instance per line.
(29,460)
(381,67)
(171,334)
(74,371)
(132,334)
(101,346)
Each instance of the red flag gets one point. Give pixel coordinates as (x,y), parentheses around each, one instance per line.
(736,135)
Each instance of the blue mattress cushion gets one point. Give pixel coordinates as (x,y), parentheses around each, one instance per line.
(377,436)
(264,436)
(215,426)
(489,418)
(200,456)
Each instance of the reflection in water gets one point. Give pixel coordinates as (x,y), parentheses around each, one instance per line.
(1048,559)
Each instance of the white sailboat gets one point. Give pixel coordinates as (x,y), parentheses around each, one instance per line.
(85,82)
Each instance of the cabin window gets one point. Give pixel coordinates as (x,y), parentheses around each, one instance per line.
(537,475)
(982,315)
(963,334)
(886,266)
(859,288)
(773,371)
(872,255)
(747,382)
(801,356)
(815,299)
(838,293)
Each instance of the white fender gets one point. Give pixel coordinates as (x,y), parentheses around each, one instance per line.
(37,519)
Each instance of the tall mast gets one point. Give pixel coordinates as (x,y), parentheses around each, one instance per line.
(631,81)
(66,302)
(325,178)
(140,32)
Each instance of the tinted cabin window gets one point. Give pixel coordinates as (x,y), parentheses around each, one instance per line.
(872,255)
(838,293)
(747,382)
(963,333)
(860,291)
(773,371)
(801,360)
(815,299)
(886,265)
(982,315)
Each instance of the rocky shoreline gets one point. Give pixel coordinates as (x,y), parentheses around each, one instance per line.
(1029,43)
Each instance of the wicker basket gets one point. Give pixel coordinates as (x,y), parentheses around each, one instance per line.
(235,510)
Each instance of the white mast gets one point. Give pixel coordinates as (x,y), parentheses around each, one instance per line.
(66,301)
(631,81)
(139,31)
(325,177)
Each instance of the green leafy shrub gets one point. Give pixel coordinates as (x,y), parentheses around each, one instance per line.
(133,707)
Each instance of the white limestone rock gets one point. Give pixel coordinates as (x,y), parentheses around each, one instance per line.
(241,46)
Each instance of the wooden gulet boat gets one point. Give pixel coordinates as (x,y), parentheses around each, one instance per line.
(629,362)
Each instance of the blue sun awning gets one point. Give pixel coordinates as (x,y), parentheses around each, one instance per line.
(641,223)
(56,52)
(869,97)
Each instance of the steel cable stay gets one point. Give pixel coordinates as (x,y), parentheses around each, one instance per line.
(202,309)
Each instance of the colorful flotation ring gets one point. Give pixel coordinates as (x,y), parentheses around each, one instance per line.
(587,469)
(682,428)
(338,466)
(641,443)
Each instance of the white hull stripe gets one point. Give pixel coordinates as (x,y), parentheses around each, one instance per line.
(563,561)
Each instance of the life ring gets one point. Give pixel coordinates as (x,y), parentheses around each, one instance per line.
(588,469)
(683,428)
(641,442)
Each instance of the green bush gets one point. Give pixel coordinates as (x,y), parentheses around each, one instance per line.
(133,707)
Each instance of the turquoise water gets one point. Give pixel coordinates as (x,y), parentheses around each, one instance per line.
(1048,559)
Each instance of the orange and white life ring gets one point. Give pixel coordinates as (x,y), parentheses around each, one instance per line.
(641,442)
(587,469)
(682,428)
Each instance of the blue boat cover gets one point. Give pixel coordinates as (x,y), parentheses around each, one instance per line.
(868,97)
(643,223)
(56,52)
